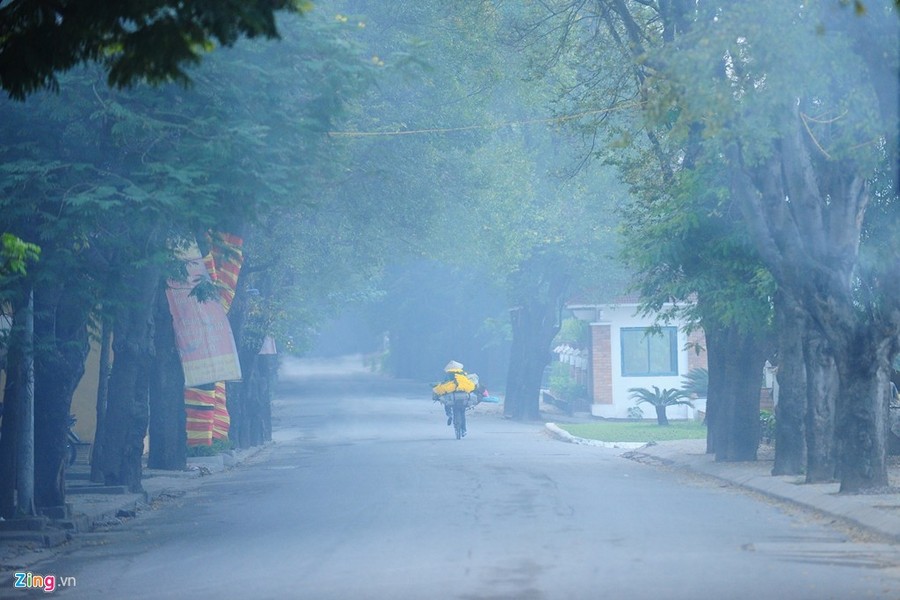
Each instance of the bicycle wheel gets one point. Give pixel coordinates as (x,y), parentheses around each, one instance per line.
(459,418)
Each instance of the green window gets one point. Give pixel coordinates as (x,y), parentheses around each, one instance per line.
(645,352)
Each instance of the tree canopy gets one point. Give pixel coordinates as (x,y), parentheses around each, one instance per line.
(154,42)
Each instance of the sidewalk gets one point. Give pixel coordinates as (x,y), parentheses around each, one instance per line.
(876,513)
(93,505)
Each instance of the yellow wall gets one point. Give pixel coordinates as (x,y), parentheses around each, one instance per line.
(84,401)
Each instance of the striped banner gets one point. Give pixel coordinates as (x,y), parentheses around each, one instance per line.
(202,331)
(221,420)
(204,337)
(199,405)
(224,261)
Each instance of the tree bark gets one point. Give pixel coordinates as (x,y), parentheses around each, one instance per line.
(102,397)
(790,443)
(9,438)
(62,344)
(811,246)
(862,411)
(822,389)
(534,326)
(127,412)
(539,286)
(168,433)
(734,389)
(239,433)
(715,393)
(661,417)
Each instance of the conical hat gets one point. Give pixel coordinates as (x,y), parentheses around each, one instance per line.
(453,366)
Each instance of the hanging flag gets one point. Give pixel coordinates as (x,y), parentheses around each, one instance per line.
(202,331)
(224,261)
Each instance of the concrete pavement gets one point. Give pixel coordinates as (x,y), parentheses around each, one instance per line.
(94,506)
(875,513)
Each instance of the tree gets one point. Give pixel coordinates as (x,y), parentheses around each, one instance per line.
(16,254)
(125,179)
(816,150)
(682,238)
(492,191)
(134,41)
(660,400)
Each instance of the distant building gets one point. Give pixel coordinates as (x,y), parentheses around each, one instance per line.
(625,353)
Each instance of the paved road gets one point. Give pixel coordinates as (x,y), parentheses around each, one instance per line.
(368,495)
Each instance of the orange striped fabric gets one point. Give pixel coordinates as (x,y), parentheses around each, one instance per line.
(224,262)
(207,410)
(199,406)
(221,419)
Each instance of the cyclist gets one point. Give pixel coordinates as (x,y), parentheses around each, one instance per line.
(456,380)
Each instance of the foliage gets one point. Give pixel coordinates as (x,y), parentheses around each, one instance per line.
(696,383)
(15,254)
(767,426)
(660,399)
(574,332)
(218,446)
(624,431)
(564,384)
(135,41)
(635,412)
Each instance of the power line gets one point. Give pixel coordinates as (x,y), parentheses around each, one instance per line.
(440,130)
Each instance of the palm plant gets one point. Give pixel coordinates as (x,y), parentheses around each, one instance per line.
(696,383)
(660,399)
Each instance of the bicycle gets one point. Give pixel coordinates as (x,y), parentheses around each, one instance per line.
(459,402)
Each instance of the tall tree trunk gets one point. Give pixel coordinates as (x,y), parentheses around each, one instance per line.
(127,411)
(822,388)
(539,286)
(16,396)
(717,355)
(863,364)
(534,326)
(9,438)
(811,246)
(236,396)
(168,433)
(790,444)
(102,396)
(737,419)
(62,343)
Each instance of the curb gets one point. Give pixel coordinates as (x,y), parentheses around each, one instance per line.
(568,437)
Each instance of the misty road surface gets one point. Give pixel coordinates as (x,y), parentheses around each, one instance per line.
(366,494)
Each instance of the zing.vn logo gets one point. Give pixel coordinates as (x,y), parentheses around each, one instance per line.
(47,583)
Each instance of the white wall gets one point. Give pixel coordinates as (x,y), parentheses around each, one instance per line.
(624,316)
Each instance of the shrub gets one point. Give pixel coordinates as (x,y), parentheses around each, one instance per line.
(217,447)
(766,426)
(696,383)
(564,385)
(573,332)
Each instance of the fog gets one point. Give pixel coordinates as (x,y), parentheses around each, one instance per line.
(265,233)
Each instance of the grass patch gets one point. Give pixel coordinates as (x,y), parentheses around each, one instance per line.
(636,431)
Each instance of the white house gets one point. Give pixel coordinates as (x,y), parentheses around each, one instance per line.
(624,354)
